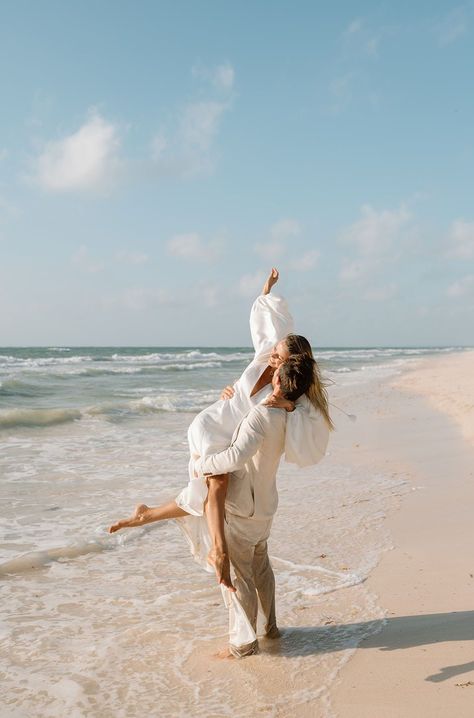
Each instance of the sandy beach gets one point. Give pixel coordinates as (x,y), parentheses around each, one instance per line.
(420,662)
(372,551)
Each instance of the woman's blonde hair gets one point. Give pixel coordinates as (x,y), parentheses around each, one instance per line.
(317,392)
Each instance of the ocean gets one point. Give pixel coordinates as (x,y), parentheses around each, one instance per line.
(124,624)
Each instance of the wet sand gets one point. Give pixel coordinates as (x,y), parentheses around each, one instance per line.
(421,663)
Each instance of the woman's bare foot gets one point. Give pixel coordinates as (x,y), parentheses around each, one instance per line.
(221,563)
(223,654)
(138,518)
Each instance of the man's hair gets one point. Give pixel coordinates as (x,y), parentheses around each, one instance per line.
(296,376)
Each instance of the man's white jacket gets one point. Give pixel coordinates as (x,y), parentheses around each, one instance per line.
(252,460)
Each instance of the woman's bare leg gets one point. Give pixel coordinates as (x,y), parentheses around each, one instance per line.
(146,515)
(214,508)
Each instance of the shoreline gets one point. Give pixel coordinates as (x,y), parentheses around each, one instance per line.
(337,551)
(421,655)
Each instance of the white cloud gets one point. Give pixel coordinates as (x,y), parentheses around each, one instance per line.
(250,285)
(83,259)
(461,287)
(381,294)
(270,251)
(452,26)
(354,27)
(376,238)
(285,228)
(190,246)
(461,238)
(187,148)
(138,299)
(221,76)
(280,232)
(375,231)
(85,160)
(306,261)
(224,76)
(127,257)
(199,124)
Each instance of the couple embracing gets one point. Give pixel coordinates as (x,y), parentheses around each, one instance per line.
(278,406)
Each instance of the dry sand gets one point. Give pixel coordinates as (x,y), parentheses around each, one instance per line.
(421,663)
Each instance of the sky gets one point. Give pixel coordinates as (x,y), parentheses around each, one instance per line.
(158,158)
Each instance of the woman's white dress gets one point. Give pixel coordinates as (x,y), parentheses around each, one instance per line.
(212,429)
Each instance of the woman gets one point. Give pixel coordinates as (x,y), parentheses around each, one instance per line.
(211,431)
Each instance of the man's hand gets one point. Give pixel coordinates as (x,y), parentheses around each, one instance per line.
(271,281)
(228,392)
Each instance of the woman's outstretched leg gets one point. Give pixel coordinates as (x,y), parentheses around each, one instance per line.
(214,508)
(148,514)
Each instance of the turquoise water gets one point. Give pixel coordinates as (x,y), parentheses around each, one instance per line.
(50,385)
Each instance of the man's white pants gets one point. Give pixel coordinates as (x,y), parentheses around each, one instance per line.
(254,578)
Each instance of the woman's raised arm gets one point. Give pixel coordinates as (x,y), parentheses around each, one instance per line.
(270,318)
(270,321)
(272,279)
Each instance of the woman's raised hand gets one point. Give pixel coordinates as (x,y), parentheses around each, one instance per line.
(228,392)
(271,281)
(278,402)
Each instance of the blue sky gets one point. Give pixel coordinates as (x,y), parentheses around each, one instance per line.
(156,158)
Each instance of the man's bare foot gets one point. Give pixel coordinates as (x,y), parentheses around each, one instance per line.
(221,563)
(273,632)
(138,518)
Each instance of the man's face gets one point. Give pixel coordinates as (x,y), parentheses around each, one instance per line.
(279,354)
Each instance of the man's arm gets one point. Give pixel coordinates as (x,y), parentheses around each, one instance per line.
(247,443)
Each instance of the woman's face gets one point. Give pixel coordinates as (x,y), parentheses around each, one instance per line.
(279,354)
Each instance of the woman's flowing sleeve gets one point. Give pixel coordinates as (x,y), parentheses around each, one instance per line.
(270,322)
(307,434)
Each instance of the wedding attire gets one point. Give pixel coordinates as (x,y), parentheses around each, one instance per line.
(211,430)
(252,462)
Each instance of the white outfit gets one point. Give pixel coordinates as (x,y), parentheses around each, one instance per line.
(211,430)
(252,461)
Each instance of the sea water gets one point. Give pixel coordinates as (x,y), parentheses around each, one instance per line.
(125,624)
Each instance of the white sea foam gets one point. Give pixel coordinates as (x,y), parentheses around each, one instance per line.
(194,356)
(36,417)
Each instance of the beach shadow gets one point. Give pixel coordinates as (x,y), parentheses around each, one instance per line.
(389,634)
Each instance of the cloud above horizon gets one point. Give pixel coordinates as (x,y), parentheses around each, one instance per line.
(190,246)
(376,239)
(282,230)
(82,161)
(453,25)
(84,260)
(187,149)
(461,239)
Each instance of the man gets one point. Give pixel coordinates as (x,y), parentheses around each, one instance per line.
(252,461)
